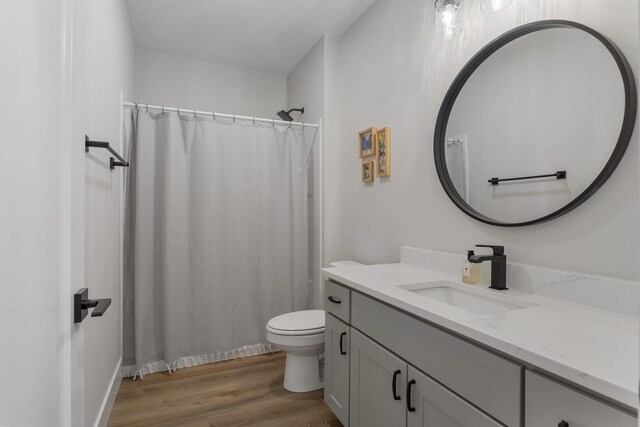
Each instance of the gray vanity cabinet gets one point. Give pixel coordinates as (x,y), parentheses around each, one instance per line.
(434,405)
(374,371)
(336,367)
(401,371)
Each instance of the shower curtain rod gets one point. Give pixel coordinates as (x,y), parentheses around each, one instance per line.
(219,115)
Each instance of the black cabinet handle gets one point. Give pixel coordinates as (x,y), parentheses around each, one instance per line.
(342,335)
(563,423)
(410,407)
(334,300)
(394,384)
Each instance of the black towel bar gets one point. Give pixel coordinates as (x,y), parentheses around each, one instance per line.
(100,144)
(558,175)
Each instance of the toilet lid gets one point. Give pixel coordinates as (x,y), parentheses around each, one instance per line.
(305,322)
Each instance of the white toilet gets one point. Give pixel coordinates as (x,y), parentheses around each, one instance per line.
(301,335)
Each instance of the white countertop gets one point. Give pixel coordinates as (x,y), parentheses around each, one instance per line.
(593,348)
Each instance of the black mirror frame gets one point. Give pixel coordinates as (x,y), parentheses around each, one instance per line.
(628,123)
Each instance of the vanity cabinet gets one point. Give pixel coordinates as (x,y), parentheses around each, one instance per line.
(336,367)
(394,369)
(550,403)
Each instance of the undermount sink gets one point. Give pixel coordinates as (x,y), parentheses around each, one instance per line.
(449,293)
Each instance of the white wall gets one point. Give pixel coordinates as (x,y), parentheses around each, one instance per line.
(178,81)
(305,85)
(109,70)
(305,88)
(391,71)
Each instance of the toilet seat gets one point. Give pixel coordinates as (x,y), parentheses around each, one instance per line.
(295,333)
(297,323)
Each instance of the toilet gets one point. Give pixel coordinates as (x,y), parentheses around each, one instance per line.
(301,335)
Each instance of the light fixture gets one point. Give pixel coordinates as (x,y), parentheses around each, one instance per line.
(494,5)
(447,19)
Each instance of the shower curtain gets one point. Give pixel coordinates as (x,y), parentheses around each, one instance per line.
(456,159)
(215,237)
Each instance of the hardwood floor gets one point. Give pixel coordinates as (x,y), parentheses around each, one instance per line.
(241,392)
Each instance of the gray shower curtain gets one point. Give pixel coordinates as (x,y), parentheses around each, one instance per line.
(215,237)
(456,159)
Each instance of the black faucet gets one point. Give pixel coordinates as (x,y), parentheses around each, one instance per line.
(498,265)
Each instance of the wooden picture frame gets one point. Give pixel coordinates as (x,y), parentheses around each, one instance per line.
(367,171)
(367,142)
(383,153)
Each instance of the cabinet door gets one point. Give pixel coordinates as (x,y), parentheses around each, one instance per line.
(431,405)
(336,367)
(375,375)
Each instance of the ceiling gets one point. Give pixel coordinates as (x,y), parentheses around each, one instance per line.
(270,35)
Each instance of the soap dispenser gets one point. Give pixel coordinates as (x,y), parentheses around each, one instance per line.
(470,272)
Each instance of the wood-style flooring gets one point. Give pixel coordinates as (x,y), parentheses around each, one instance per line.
(241,392)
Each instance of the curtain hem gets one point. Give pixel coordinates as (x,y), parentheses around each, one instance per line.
(201,359)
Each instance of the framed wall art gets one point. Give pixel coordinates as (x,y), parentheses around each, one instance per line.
(383,155)
(367,171)
(367,142)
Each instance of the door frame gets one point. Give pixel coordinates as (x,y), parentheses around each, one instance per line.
(72,205)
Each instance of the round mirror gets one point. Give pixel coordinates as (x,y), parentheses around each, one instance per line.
(535,123)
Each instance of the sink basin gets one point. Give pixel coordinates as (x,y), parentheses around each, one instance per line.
(451,294)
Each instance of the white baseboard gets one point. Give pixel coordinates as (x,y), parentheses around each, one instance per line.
(109,399)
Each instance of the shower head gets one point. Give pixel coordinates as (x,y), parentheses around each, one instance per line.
(286,115)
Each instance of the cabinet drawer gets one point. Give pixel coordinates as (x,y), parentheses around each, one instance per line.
(483,378)
(338,301)
(548,403)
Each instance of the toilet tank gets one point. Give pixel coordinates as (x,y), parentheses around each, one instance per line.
(344,263)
